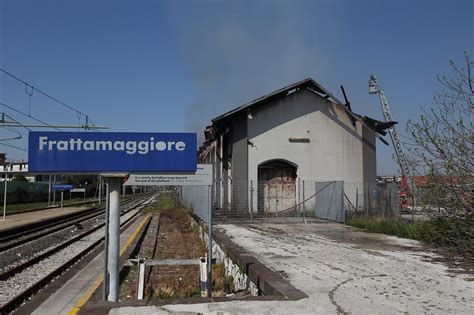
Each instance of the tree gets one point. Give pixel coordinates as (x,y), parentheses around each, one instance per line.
(442,142)
(20,178)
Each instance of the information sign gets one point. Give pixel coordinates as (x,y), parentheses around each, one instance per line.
(61,187)
(78,190)
(111,152)
(202,176)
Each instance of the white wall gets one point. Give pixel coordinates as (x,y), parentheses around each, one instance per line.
(335,150)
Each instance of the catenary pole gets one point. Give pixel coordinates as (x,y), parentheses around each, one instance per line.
(5,193)
(54,192)
(100,189)
(49,191)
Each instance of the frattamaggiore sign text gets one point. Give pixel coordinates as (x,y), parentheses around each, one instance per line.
(112,152)
(129,147)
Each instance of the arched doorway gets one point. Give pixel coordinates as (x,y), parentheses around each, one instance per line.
(276,186)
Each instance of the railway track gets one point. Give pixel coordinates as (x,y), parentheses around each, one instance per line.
(24,279)
(50,241)
(17,236)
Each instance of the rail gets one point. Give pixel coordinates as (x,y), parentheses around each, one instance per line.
(11,304)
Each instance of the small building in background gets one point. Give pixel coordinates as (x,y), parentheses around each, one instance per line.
(14,168)
(271,154)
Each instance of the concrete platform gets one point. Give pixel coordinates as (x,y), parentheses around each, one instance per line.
(14,220)
(342,270)
(76,292)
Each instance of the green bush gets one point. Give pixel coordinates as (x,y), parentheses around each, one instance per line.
(449,233)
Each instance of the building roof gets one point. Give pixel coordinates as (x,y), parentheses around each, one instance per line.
(371,124)
(426,181)
(306,83)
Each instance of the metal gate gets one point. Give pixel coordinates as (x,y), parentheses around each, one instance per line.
(330,201)
(276,186)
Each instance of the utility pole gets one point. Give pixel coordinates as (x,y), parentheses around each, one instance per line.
(100,189)
(54,192)
(5,192)
(49,191)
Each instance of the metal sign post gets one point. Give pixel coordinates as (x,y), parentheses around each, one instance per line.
(62,198)
(209,249)
(106,243)
(62,188)
(113,260)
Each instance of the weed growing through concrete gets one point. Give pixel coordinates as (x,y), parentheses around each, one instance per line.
(222,284)
(165,202)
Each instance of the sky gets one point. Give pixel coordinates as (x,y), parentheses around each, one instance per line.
(171,66)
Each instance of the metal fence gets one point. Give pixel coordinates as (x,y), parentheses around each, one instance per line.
(328,200)
(372,199)
(197,199)
(23,192)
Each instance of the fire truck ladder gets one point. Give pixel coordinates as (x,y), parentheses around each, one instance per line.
(401,157)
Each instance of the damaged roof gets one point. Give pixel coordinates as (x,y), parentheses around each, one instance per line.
(306,83)
(373,125)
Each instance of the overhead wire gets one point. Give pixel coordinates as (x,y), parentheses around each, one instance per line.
(30,94)
(24,114)
(19,134)
(17,131)
(13,146)
(16,120)
(44,93)
(93,125)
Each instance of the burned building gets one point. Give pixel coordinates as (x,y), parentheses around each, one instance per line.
(261,150)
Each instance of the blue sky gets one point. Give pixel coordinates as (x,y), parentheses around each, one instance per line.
(172,66)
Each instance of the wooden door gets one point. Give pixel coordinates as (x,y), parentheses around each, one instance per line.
(277,187)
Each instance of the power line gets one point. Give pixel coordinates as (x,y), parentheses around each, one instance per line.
(44,93)
(24,114)
(13,146)
(4,114)
(19,134)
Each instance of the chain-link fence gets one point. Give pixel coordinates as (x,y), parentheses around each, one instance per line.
(197,199)
(287,197)
(372,199)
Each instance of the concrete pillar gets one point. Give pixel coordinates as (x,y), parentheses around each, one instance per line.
(114,239)
(221,171)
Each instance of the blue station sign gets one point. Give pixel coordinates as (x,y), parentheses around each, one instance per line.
(111,152)
(62,187)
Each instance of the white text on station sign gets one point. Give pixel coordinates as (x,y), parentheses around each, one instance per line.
(202,177)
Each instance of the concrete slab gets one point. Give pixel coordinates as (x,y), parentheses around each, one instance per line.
(18,219)
(342,270)
(80,287)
